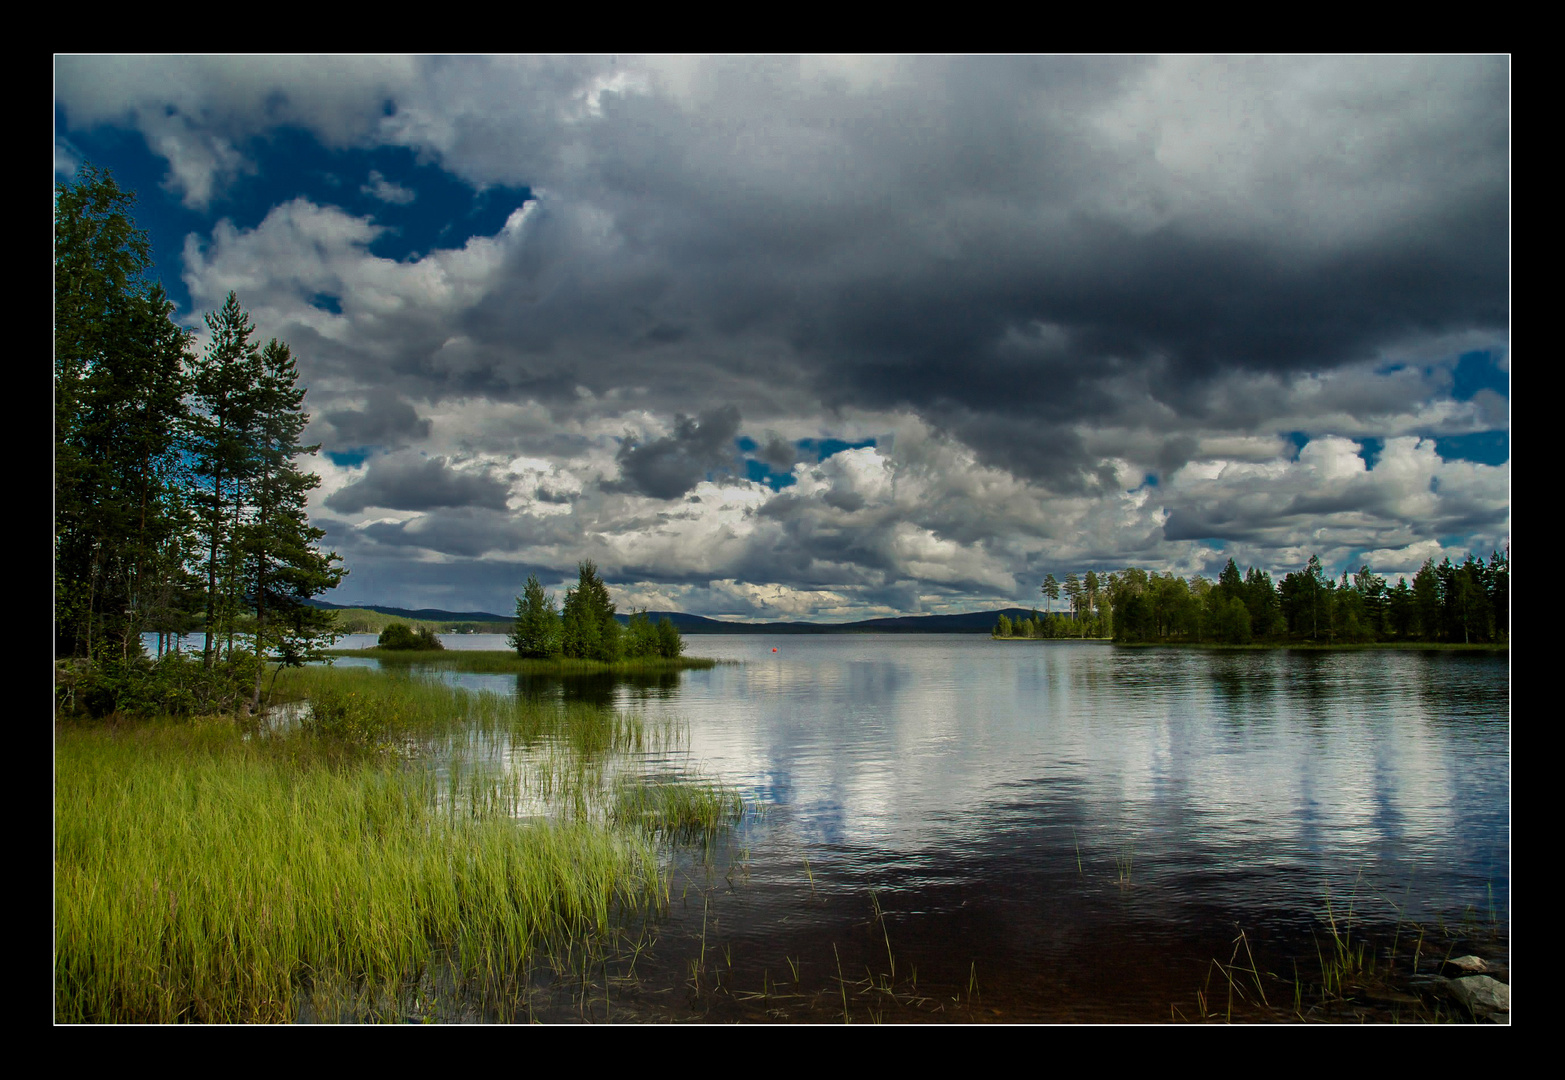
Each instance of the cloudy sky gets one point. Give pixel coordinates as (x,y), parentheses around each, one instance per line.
(830,338)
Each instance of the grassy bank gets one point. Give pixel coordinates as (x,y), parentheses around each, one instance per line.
(504,662)
(209,875)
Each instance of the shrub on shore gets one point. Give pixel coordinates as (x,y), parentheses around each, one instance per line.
(403,636)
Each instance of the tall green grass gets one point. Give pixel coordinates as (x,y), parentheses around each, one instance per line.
(200,876)
(376,827)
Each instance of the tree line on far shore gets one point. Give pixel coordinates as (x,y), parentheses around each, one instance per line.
(585,628)
(1467,602)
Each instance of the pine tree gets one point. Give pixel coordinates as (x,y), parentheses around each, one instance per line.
(536,633)
(588,629)
(224,383)
(283,566)
(119,404)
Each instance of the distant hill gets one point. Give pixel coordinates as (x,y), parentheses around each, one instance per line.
(975,622)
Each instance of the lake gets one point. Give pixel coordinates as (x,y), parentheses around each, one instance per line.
(1056,831)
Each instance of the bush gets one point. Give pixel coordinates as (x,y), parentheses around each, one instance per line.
(402,636)
(178,684)
(346,716)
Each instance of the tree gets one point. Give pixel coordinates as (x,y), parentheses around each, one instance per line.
(588,629)
(1306,600)
(223,384)
(536,632)
(1371,588)
(119,405)
(1427,601)
(1090,593)
(1500,591)
(1073,595)
(1230,582)
(671,644)
(1051,591)
(283,566)
(1260,600)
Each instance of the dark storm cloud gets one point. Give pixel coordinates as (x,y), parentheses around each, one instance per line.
(1078,271)
(901,248)
(778,452)
(387,420)
(667,468)
(418,485)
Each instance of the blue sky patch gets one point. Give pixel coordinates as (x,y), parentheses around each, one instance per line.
(762,473)
(422,206)
(1477,371)
(825,448)
(347,459)
(1370,449)
(1484,447)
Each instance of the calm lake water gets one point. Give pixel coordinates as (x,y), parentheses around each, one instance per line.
(1054,831)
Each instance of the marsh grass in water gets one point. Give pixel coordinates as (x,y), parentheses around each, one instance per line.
(205,872)
(1356,975)
(509,663)
(676,808)
(198,875)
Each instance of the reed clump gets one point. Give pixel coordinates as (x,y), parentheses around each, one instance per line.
(676,808)
(200,875)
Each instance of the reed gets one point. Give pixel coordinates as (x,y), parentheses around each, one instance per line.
(200,875)
(674,808)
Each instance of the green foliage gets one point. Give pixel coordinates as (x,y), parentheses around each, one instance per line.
(1459,604)
(346,716)
(536,634)
(671,645)
(121,522)
(403,636)
(642,639)
(173,685)
(588,628)
(177,489)
(201,876)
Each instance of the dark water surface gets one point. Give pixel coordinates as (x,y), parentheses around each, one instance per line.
(1055,831)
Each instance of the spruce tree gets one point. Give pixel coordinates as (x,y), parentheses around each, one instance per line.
(119,405)
(283,565)
(536,632)
(588,629)
(224,383)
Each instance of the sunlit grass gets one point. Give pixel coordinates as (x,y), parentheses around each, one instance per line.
(200,875)
(379,824)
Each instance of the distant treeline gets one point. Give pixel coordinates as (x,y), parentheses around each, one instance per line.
(1466,603)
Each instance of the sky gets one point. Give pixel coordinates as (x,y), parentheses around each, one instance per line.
(828,338)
